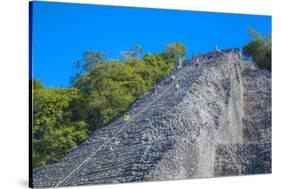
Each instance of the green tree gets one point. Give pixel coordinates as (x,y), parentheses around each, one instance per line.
(173,50)
(109,89)
(90,59)
(156,68)
(36,84)
(136,51)
(54,132)
(259,49)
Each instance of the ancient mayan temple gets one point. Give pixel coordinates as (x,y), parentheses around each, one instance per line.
(217,123)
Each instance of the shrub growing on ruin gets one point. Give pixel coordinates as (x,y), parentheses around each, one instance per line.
(259,50)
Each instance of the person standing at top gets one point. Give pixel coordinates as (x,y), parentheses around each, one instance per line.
(217,49)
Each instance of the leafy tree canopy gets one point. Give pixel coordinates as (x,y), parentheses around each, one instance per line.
(90,59)
(136,51)
(36,84)
(54,131)
(173,50)
(259,49)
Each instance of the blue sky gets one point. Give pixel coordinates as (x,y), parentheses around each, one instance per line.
(62,32)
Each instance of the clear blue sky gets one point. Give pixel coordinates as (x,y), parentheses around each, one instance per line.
(62,32)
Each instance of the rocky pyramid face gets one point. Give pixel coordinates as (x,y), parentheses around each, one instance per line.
(212,119)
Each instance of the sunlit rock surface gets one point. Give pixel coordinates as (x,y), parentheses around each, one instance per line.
(217,123)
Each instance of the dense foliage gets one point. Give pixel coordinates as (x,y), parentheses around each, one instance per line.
(259,49)
(109,88)
(100,92)
(54,130)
